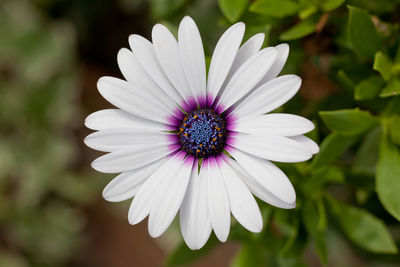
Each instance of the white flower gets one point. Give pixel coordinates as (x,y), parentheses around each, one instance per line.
(173,129)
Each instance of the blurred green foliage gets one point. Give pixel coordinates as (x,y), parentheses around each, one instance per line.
(348,196)
(40,190)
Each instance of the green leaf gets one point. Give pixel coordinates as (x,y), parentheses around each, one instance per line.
(275,8)
(314,186)
(368,88)
(307,11)
(331,148)
(233,9)
(396,68)
(363,228)
(362,34)
(289,226)
(286,222)
(392,108)
(383,65)
(346,82)
(367,154)
(248,255)
(329,5)
(394,129)
(392,88)
(313,216)
(163,8)
(320,245)
(397,55)
(329,174)
(292,237)
(184,255)
(348,121)
(299,30)
(379,7)
(388,177)
(314,220)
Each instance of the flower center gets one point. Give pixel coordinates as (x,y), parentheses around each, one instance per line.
(202,133)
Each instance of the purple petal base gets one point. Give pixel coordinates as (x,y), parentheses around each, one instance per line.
(202,102)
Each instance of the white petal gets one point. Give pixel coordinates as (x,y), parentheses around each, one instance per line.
(119,138)
(142,202)
(272,147)
(269,96)
(133,100)
(274,124)
(153,187)
(260,190)
(283,52)
(247,76)
(192,56)
(116,118)
(145,54)
(167,53)
(125,185)
(265,180)
(242,203)
(135,74)
(194,219)
(246,51)
(218,200)
(223,56)
(130,158)
(170,195)
(308,142)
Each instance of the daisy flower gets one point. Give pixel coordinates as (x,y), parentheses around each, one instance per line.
(200,145)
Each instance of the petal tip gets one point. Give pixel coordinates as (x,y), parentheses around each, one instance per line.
(193,245)
(239,27)
(283,46)
(315,149)
(131,39)
(86,140)
(260,36)
(187,19)
(122,53)
(96,165)
(106,194)
(240,24)
(132,220)
(158,27)
(154,231)
(312,126)
(258,228)
(222,238)
(87,122)
(101,82)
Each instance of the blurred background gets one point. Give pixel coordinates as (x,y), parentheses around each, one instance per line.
(52,52)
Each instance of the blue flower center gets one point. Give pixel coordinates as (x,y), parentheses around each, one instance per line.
(202,133)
